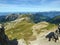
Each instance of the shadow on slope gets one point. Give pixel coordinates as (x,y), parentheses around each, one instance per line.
(4,39)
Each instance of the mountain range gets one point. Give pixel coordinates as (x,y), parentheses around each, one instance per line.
(28,26)
(53,16)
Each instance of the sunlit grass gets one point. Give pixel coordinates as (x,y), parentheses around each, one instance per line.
(20,30)
(50,26)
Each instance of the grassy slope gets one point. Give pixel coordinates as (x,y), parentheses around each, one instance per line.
(43,26)
(50,26)
(21,30)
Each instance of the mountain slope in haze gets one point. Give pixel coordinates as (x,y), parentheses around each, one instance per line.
(50,14)
(8,18)
(55,20)
(39,17)
(35,16)
(11,17)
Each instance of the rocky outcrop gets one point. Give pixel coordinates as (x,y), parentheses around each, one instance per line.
(3,37)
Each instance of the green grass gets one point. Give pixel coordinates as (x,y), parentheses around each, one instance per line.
(20,30)
(50,26)
(23,30)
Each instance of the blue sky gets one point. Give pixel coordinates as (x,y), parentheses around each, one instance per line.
(29,5)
